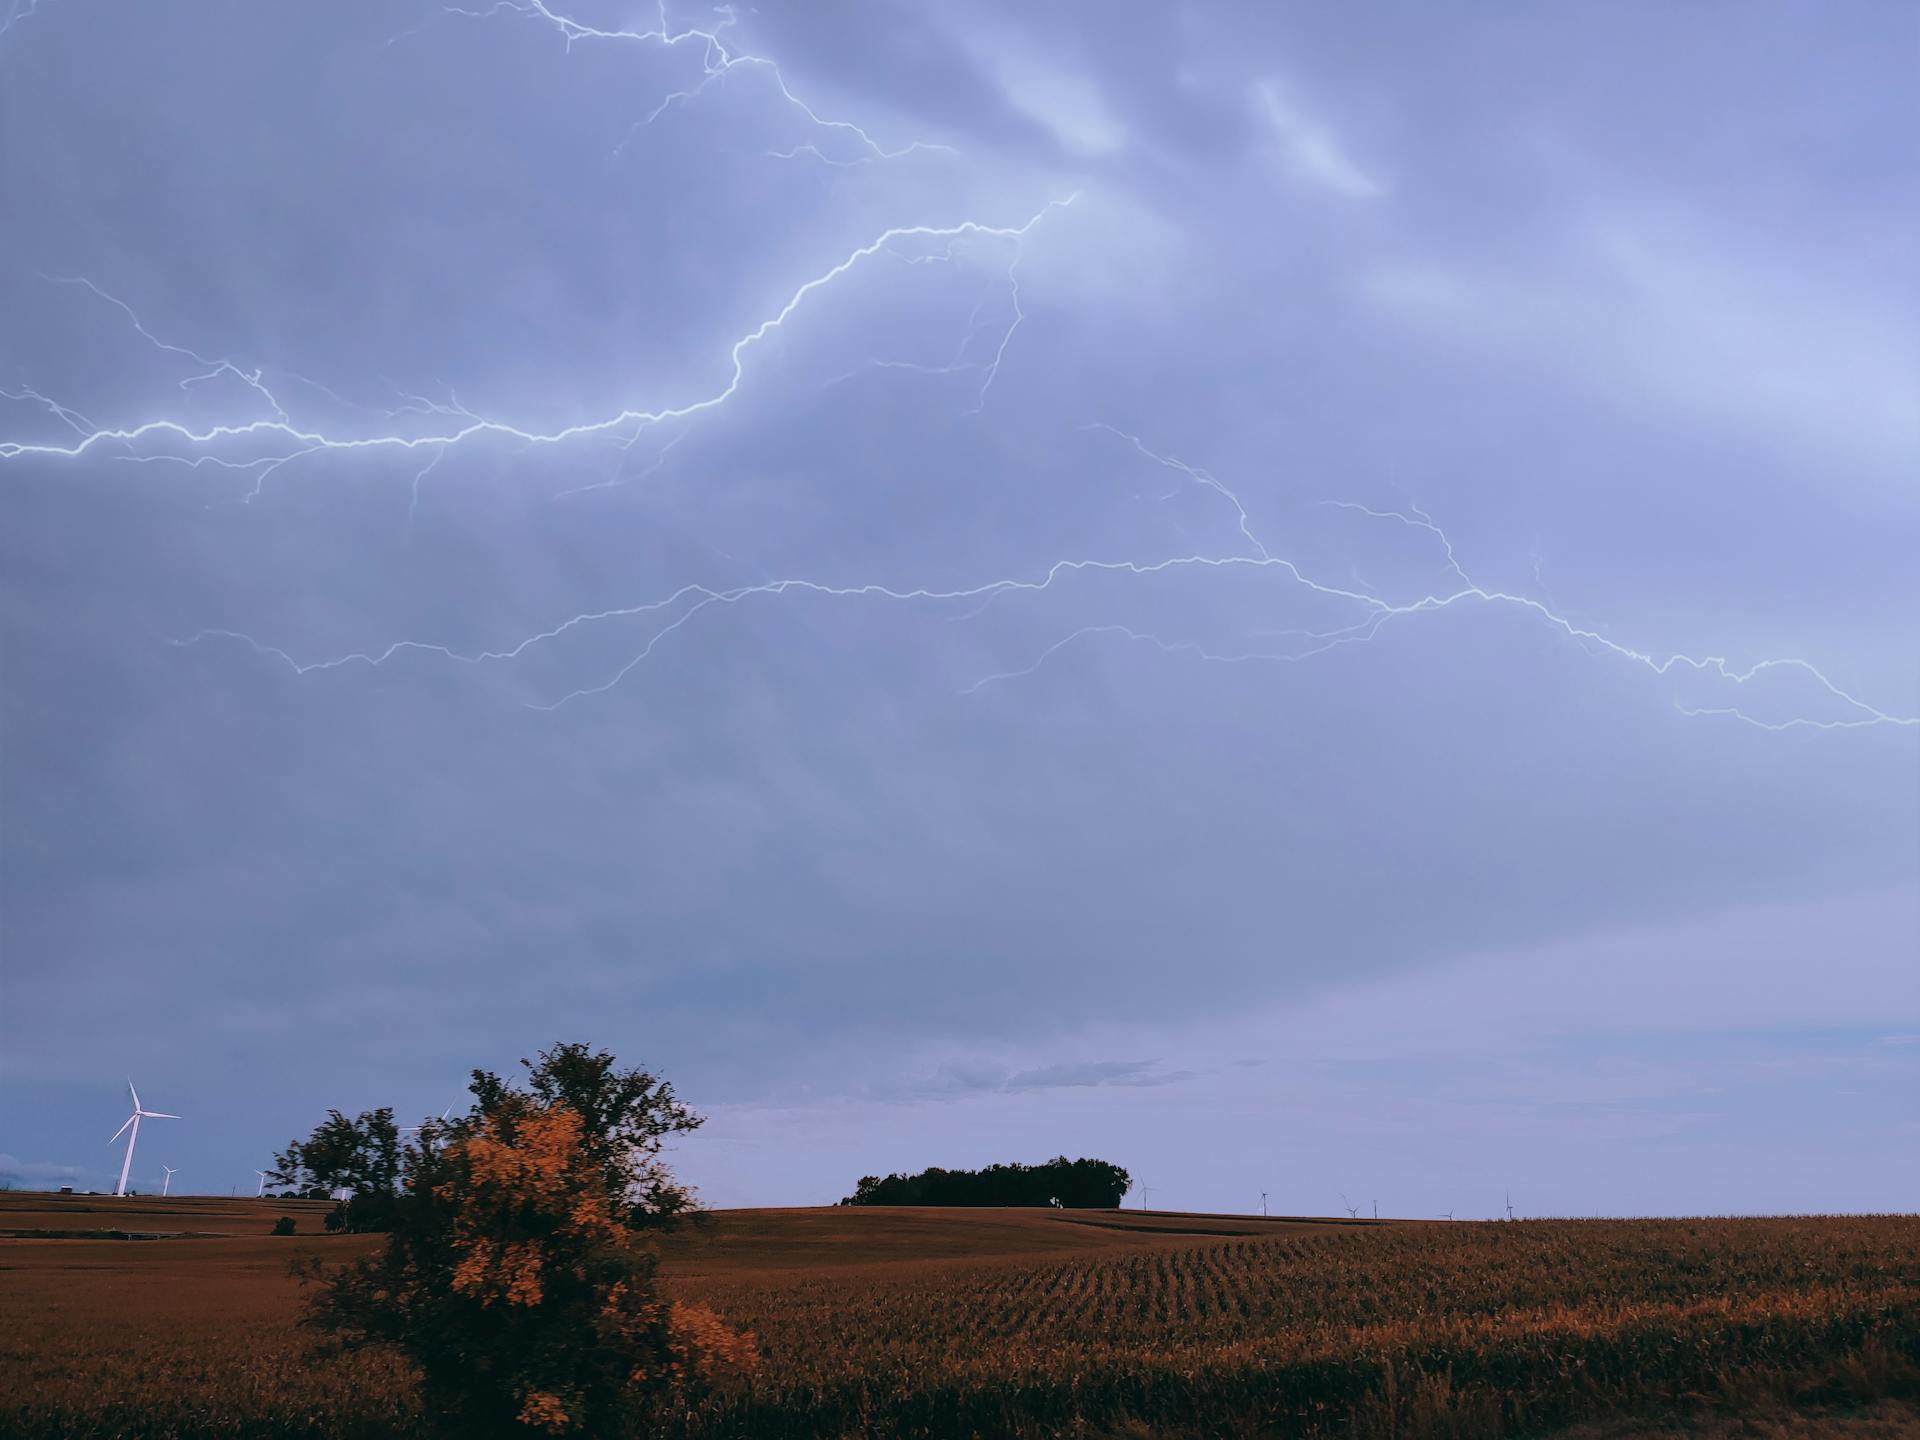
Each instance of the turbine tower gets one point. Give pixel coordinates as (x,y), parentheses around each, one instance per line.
(133,1122)
(167,1184)
(263,1174)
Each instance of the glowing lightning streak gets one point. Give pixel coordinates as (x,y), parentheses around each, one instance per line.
(1199,477)
(717,61)
(308,442)
(73,419)
(1381,611)
(216,366)
(17,10)
(1378,611)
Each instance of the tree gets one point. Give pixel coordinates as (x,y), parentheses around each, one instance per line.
(359,1156)
(627,1116)
(516,1276)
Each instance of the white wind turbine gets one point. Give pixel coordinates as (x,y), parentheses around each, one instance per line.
(263,1174)
(416,1129)
(133,1121)
(167,1184)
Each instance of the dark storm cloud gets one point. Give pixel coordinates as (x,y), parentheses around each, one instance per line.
(1613,303)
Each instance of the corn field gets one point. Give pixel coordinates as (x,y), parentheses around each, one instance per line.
(1470,1331)
(1458,1330)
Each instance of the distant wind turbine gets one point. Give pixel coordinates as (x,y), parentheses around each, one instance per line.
(167,1184)
(132,1131)
(263,1183)
(416,1129)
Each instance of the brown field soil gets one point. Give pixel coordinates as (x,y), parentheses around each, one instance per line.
(149,1214)
(994,1323)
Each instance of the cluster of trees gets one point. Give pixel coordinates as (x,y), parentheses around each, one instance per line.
(1074,1184)
(358,1160)
(516,1274)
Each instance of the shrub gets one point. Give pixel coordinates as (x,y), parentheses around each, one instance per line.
(283,1226)
(515,1275)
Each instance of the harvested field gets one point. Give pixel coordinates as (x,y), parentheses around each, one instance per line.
(990,1323)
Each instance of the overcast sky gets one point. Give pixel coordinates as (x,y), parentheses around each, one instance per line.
(1304,598)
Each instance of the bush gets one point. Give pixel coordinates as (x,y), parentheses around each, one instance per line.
(283,1226)
(515,1275)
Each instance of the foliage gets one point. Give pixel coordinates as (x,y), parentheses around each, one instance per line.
(626,1115)
(359,1156)
(282,1226)
(513,1276)
(1074,1184)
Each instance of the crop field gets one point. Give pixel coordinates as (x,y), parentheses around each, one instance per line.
(1009,1323)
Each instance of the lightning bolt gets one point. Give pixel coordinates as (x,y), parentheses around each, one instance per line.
(685,603)
(16,11)
(279,427)
(718,60)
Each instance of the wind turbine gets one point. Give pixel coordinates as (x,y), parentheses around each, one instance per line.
(416,1129)
(133,1121)
(263,1174)
(167,1184)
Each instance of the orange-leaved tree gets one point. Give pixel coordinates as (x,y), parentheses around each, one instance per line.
(517,1274)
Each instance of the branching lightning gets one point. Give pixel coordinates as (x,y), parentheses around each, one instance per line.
(278,427)
(718,60)
(422,432)
(688,601)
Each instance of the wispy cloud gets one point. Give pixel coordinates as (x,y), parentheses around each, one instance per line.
(15,1171)
(1312,151)
(1693,318)
(973,1078)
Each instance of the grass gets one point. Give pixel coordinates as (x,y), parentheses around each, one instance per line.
(998,1323)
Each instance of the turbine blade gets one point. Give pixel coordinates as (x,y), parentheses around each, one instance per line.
(133,1092)
(158,1115)
(123,1128)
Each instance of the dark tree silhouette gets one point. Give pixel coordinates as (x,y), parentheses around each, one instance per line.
(1074,1184)
(360,1156)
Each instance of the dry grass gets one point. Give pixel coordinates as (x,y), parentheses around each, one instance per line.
(965,1323)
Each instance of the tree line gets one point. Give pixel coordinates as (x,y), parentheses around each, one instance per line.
(1072,1184)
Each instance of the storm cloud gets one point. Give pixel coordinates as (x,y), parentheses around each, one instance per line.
(943,574)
